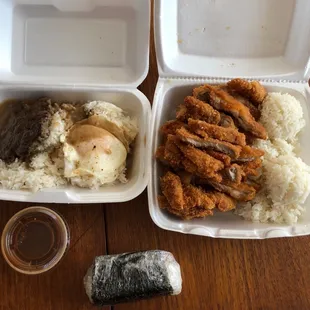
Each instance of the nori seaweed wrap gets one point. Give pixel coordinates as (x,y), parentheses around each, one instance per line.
(119,278)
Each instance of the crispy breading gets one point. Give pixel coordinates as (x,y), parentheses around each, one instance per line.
(254,91)
(222,101)
(249,153)
(225,159)
(252,168)
(208,143)
(206,166)
(226,121)
(160,154)
(253,109)
(196,109)
(217,132)
(172,154)
(172,189)
(170,127)
(242,191)
(163,202)
(234,173)
(223,202)
(186,201)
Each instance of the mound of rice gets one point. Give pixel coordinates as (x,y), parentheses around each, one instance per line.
(282,116)
(286,178)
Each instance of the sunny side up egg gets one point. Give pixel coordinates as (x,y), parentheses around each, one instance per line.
(93,156)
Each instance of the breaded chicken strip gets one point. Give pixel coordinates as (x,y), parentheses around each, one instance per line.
(172,154)
(225,159)
(223,202)
(204,129)
(226,121)
(249,153)
(172,189)
(252,168)
(222,101)
(170,127)
(242,191)
(196,109)
(234,173)
(186,201)
(254,91)
(253,109)
(206,166)
(208,143)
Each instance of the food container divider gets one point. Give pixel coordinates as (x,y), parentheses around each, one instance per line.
(214,41)
(79,50)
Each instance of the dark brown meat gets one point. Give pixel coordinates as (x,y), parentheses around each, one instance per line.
(240,191)
(254,91)
(227,121)
(208,143)
(222,101)
(217,132)
(234,173)
(196,109)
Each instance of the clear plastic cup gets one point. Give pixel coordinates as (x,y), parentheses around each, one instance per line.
(34,240)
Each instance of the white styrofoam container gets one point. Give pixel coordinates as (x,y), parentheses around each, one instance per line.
(79,50)
(212,41)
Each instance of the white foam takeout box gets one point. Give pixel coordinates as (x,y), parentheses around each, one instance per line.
(79,50)
(212,41)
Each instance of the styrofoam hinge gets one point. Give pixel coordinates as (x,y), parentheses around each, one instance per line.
(224,79)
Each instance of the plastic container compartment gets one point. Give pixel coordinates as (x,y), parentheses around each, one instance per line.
(79,50)
(211,42)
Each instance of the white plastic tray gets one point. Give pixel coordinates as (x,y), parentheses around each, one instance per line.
(211,41)
(79,50)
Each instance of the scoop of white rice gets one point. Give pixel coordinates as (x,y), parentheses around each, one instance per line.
(282,116)
(274,148)
(43,175)
(286,178)
(262,210)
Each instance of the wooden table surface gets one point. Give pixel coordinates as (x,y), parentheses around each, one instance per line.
(217,274)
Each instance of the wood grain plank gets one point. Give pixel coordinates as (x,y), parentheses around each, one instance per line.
(62,287)
(217,273)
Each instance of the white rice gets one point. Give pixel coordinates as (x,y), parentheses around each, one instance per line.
(286,178)
(18,176)
(282,116)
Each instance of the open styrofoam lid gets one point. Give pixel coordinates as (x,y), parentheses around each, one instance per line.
(225,38)
(79,42)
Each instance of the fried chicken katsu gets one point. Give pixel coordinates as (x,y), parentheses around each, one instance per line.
(204,129)
(170,127)
(226,121)
(246,102)
(206,165)
(196,109)
(186,201)
(222,101)
(208,143)
(254,91)
(223,202)
(208,150)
